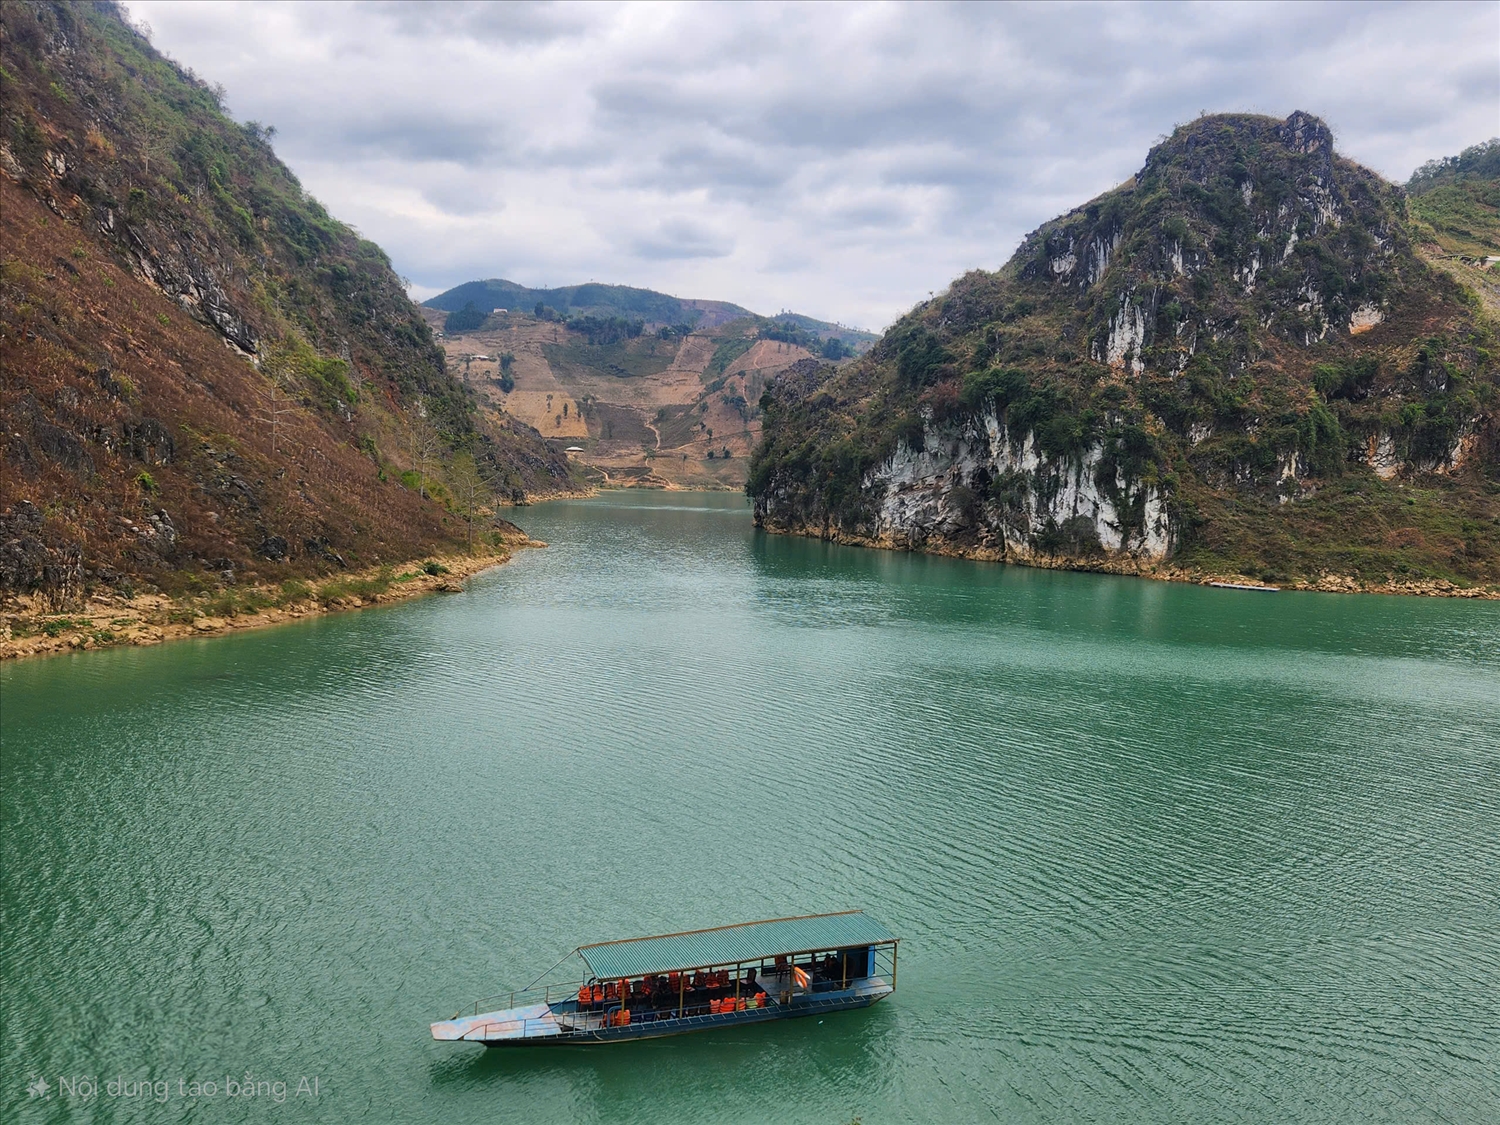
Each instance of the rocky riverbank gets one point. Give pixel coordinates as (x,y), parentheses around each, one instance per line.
(1136,566)
(105,619)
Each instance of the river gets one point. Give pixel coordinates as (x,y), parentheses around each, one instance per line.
(1156,852)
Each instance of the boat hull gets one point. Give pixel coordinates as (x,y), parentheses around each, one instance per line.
(545,1026)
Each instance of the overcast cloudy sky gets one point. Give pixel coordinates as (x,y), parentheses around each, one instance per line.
(838,159)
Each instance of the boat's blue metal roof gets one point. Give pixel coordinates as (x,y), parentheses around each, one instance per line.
(729,945)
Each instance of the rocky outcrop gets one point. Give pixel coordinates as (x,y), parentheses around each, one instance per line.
(981,490)
(28,564)
(981,483)
(180,271)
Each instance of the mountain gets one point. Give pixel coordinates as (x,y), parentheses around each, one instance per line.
(645,389)
(1237,363)
(207,377)
(653,309)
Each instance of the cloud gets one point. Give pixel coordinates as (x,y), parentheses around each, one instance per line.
(842,160)
(681,238)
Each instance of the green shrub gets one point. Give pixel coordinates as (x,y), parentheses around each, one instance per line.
(60,625)
(294,590)
(465,319)
(1003,387)
(1351,380)
(253,601)
(920,357)
(1076,537)
(221,605)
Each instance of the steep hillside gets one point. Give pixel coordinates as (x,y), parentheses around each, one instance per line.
(1454,205)
(205,375)
(1233,364)
(663,407)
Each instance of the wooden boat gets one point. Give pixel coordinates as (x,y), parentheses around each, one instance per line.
(641,988)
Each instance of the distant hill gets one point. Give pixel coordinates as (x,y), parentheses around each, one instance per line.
(1237,363)
(206,376)
(1477,162)
(663,406)
(652,308)
(1454,205)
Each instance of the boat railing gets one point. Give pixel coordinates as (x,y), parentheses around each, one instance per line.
(479,1031)
(884,965)
(522,997)
(696,1016)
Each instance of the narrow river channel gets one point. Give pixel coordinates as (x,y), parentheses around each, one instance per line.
(1157,853)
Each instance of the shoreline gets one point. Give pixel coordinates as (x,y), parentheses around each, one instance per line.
(1131,567)
(107,620)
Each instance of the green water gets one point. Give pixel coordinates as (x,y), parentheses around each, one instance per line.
(1157,853)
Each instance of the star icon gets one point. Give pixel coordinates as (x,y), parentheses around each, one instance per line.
(38,1088)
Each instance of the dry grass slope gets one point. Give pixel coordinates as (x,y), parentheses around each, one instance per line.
(205,376)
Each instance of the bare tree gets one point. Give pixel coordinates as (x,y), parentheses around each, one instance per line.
(275,406)
(425,445)
(154,146)
(472,487)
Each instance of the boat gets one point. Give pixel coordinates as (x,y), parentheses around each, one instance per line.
(646,987)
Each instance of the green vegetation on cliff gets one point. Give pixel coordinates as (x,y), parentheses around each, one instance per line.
(1241,337)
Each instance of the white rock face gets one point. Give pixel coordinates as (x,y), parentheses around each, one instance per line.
(919,489)
(1382,456)
(1099,255)
(1127,337)
(1247,275)
(1363,319)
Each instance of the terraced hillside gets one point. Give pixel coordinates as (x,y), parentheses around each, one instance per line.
(657,407)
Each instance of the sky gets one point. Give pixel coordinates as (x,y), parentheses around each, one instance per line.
(841,160)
